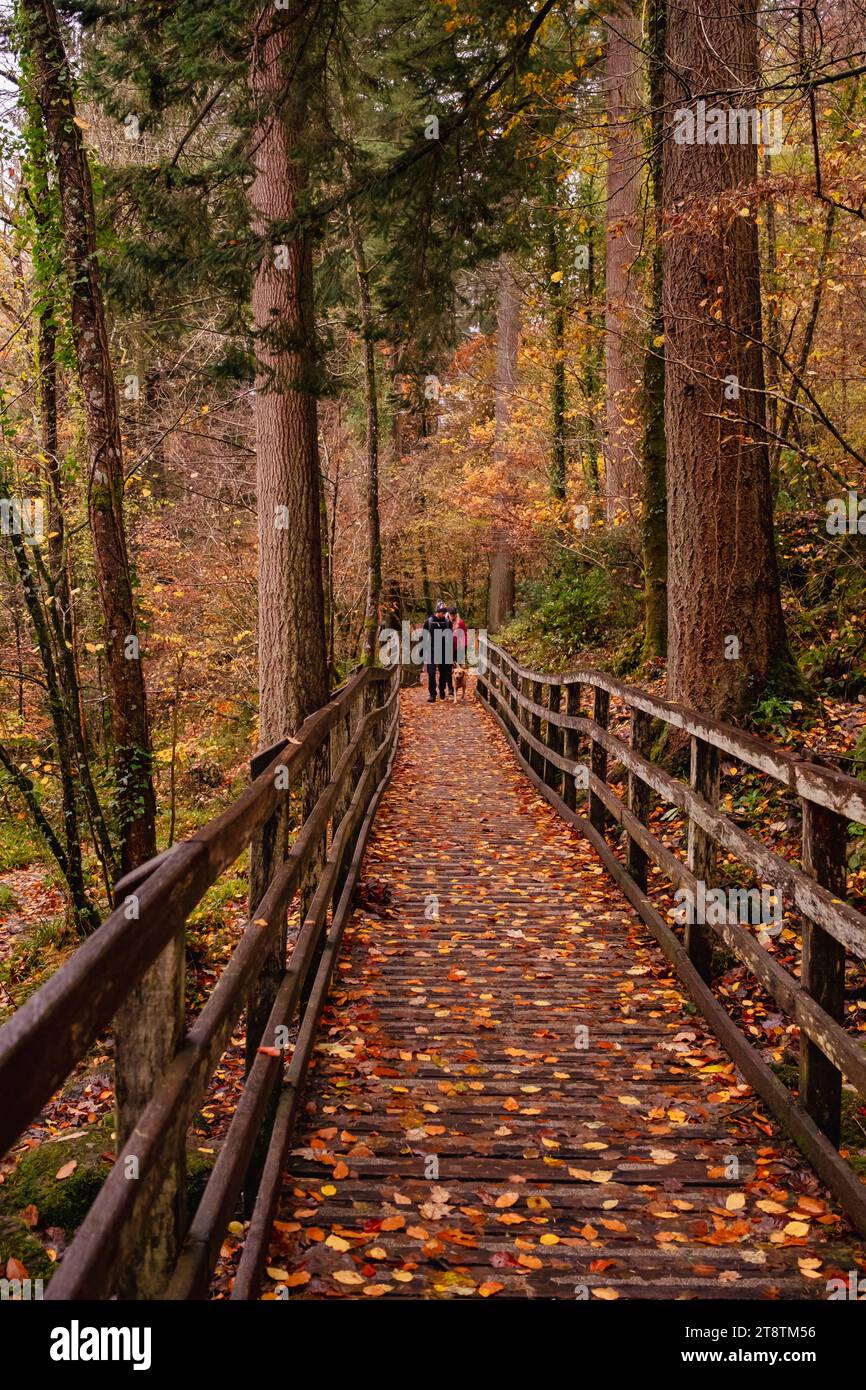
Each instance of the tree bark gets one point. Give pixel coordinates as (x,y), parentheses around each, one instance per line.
(292,655)
(726,632)
(623,288)
(293,659)
(374,536)
(654,540)
(500,602)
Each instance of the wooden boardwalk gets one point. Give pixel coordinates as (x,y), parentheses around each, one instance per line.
(510,1094)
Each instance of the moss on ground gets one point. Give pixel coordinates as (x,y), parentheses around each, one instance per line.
(852,1128)
(17,1242)
(64,1202)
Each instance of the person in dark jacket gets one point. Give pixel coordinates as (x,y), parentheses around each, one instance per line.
(439,653)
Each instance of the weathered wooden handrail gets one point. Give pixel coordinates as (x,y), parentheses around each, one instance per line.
(546,739)
(355,733)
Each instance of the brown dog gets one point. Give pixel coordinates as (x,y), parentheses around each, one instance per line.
(459,683)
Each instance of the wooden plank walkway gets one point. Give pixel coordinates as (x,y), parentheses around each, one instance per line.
(513,1097)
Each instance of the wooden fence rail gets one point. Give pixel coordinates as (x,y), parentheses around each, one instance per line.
(547,740)
(336,769)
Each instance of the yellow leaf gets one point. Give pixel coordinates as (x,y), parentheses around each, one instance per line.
(796,1228)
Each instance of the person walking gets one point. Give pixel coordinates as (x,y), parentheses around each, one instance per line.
(439,651)
(460,631)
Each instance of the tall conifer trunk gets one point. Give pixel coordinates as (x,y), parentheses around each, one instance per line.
(726,631)
(292,655)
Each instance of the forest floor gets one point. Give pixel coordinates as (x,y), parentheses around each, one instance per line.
(511,1094)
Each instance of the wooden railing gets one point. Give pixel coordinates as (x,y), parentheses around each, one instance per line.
(566,752)
(337,768)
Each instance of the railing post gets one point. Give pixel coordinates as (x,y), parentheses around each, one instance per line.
(148,1028)
(268,849)
(705,781)
(536,760)
(515,705)
(571,746)
(822,972)
(598,759)
(484,678)
(638,798)
(552,774)
(339,742)
(362,703)
(522,684)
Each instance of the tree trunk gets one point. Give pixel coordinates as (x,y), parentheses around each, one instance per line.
(559,459)
(293,659)
(292,656)
(500,601)
(623,290)
(149,1026)
(726,631)
(654,539)
(374,538)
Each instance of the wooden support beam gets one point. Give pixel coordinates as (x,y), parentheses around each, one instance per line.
(598,759)
(705,781)
(639,798)
(822,971)
(536,759)
(571,745)
(552,775)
